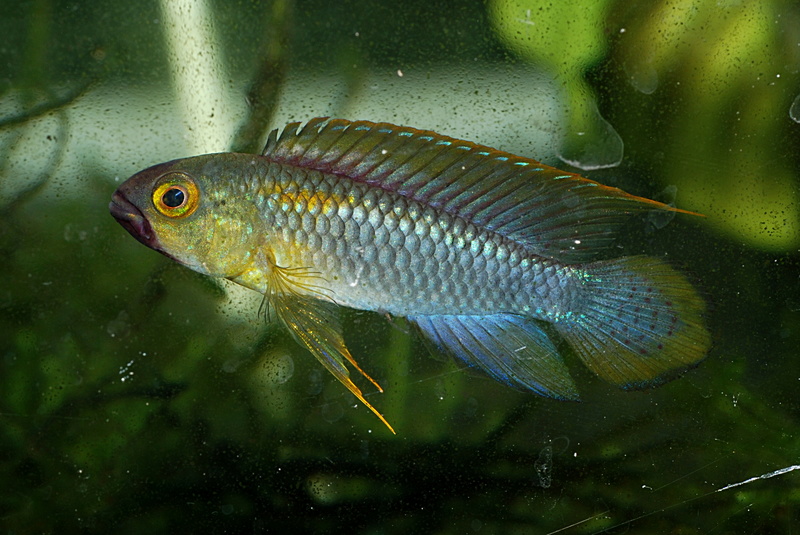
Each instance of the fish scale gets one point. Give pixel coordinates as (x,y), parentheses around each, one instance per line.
(475,246)
(363,256)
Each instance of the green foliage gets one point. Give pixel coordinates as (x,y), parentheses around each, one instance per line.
(137,396)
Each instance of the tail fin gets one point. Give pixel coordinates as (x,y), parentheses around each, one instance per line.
(641,322)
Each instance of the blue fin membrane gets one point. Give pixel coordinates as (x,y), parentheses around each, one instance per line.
(558,214)
(641,322)
(509,348)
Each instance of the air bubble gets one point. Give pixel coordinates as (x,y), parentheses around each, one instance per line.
(120,326)
(643,77)
(598,147)
(332,412)
(794,109)
(278,368)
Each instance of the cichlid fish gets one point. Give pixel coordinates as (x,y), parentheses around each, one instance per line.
(477,247)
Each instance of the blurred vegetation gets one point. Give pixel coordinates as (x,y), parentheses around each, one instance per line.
(135,398)
(711,85)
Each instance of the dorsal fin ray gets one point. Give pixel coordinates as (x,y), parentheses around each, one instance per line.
(558,214)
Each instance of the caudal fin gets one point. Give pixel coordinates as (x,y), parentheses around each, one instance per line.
(640,324)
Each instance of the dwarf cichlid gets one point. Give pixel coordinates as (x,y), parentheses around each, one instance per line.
(476,247)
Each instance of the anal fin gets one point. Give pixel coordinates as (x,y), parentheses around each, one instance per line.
(508,347)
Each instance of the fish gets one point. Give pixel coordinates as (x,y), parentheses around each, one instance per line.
(496,259)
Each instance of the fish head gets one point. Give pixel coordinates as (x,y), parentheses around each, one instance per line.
(187,210)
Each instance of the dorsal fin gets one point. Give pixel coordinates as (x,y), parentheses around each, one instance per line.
(557,214)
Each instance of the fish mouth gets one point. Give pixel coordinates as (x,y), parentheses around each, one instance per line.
(133,220)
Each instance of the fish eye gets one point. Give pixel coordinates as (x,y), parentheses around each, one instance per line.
(176,195)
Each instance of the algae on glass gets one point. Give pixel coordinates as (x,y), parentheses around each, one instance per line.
(136,395)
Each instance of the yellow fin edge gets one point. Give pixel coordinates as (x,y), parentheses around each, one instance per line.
(309,313)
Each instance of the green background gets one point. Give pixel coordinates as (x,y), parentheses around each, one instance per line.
(137,396)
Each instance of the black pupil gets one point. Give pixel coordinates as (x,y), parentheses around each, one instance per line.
(173,198)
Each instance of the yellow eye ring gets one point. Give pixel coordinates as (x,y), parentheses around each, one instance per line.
(176,195)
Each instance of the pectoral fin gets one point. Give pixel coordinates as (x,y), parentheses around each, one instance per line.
(314,323)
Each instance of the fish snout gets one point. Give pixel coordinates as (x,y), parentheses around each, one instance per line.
(132,219)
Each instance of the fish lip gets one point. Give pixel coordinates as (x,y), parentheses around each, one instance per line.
(133,220)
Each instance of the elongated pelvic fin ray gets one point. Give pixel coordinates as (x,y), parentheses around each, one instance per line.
(509,348)
(560,214)
(314,323)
